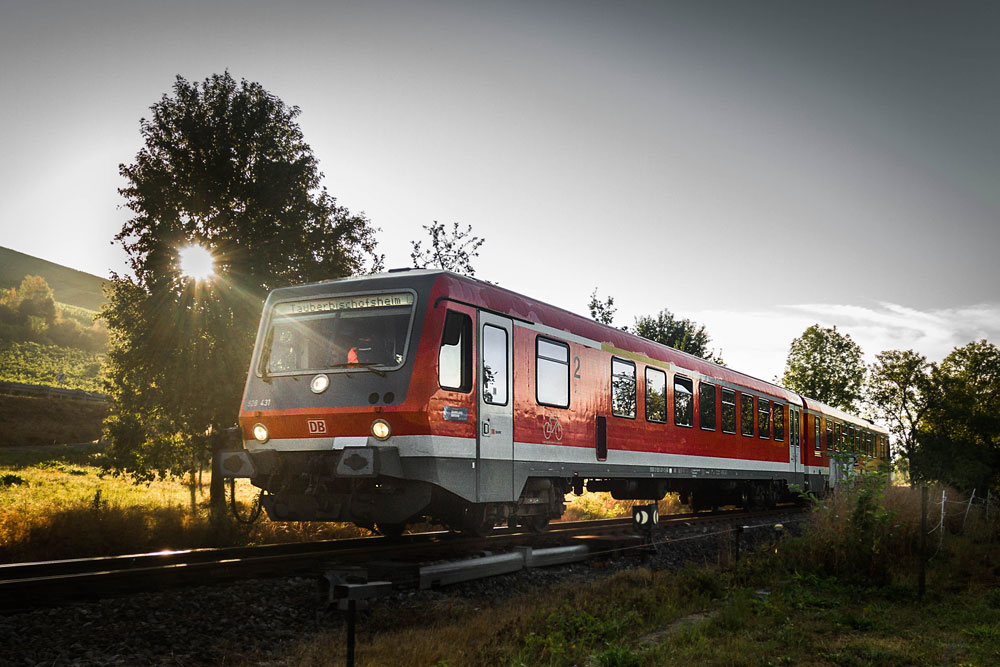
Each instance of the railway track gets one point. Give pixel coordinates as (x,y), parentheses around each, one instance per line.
(32,585)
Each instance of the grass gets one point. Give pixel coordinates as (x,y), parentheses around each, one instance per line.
(55,502)
(762,616)
(784,606)
(591,505)
(41,420)
(34,363)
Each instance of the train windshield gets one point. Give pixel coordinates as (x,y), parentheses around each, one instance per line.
(338,333)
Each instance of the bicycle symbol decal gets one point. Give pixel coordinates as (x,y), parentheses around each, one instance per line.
(551,427)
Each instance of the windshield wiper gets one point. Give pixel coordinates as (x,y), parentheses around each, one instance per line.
(368,366)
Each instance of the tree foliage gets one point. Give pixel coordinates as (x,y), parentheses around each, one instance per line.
(896,392)
(958,441)
(826,365)
(680,334)
(451,251)
(224,165)
(29,313)
(602,311)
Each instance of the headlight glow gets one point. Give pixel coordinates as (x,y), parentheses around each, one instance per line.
(380,429)
(260,433)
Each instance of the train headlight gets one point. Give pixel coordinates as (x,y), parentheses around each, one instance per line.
(260,433)
(380,429)
(319,384)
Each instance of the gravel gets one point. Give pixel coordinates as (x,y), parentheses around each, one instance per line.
(254,621)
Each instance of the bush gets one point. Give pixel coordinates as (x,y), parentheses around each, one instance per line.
(861,532)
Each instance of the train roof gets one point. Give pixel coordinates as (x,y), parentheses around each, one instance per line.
(504,301)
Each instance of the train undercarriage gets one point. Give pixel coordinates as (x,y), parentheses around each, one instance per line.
(318,487)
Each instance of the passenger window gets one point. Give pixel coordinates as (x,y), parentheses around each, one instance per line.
(622,388)
(706,406)
(683,401)
(763,418)
(746,415)
(455,357)
(552,373)
(816,433)
(656,395)
(494,365)
(829,436)
(779,422)
(728,411)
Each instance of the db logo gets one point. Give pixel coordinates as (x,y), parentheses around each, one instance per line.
(316,426)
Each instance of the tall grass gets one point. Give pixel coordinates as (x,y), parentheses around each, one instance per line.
(592,505)
(56,503)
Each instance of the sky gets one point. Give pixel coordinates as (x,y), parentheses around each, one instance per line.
(754,166)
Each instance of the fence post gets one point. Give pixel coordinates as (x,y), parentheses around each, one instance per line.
(922,578)
(967,508)
(944,500)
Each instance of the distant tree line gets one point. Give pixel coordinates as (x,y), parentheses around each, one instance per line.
(944,417)
(29,313)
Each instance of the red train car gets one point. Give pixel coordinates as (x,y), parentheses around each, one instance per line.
(421,394)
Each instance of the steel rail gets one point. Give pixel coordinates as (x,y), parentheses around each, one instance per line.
(39,584)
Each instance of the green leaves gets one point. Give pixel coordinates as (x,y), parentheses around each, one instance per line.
(958,439)
(224,165)
(826,365)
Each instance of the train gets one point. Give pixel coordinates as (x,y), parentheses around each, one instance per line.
(421,395)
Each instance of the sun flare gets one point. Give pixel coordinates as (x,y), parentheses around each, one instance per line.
(197,263)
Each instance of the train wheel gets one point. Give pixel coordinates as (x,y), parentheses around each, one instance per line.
(391,530)
(536,523)
(477,522)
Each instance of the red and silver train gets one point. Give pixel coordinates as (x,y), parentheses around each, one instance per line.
(425,395)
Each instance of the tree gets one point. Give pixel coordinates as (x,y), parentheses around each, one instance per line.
(896,393)
(602,311)
(223,165)
(826,365)
(958,441)
(680,334)
(452,251)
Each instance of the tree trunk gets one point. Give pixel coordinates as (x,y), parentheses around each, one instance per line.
(193,487)
(216,488)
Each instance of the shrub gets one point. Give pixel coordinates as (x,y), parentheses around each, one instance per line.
(861,532)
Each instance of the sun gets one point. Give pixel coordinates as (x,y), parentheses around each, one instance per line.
(197,263)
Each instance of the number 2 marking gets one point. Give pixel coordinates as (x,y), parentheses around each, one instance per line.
(576,373)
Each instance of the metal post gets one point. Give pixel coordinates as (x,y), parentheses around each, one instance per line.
(922,578)
(351,593)
(967,508)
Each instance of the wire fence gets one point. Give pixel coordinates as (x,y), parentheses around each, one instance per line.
(952,515)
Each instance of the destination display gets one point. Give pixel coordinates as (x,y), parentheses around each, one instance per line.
(334,304)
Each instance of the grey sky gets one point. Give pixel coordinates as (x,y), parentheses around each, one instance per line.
(766,163)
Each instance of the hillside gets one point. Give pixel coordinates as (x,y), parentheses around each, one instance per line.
(73,287)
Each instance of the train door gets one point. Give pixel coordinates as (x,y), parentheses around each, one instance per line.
(795,438)
(495,439)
